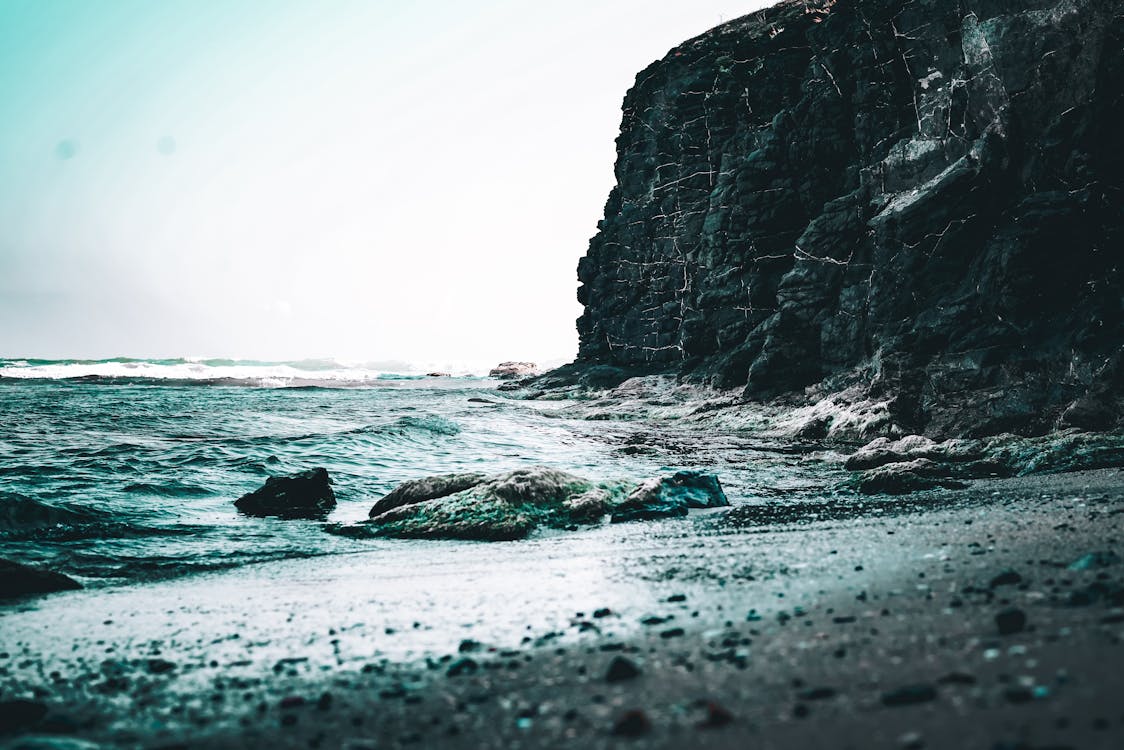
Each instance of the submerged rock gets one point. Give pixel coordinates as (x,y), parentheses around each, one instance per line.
(671,496)
(508,370)
(22,580)
(428,488)
(19,514)
(306,494)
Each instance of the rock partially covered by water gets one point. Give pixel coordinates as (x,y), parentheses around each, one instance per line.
(503,507)
(428,488)
(509,370)
(22,580)
(22,514)
(306,494)
(671,496)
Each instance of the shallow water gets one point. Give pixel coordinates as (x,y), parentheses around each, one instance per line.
(115,478)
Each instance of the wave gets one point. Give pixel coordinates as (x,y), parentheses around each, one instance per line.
(305,373)
(21,514)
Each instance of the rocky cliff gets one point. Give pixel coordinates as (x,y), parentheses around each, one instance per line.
(914,202)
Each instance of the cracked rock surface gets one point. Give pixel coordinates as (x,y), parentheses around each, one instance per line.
(922,199)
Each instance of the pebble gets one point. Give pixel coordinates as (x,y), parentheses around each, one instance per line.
(462,666)
(632,723)
(621,669)
(1006,578)
(716,716)
(817,694)
(1010,621)
(909,695)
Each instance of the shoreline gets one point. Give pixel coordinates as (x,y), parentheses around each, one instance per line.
(181,666)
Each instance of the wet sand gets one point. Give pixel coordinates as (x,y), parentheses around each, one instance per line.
(868,628)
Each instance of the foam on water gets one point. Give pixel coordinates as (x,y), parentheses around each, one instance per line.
(135,479)
(308,372)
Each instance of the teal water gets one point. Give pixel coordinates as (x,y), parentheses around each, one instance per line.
(125,470)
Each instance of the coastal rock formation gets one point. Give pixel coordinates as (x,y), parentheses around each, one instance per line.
(671,496)
(428,488)
(504,507)
(306,494)
(919,204)
(22,580)
(917,463)
(509,370)
(512,505)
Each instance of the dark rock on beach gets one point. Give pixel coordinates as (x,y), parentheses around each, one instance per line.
(915,462)
(504,507)
(307,494)
(912,206)
(428,488)
(22,580)
(621,669)
(509,370)
(671,496)
(512,505)
(903,477)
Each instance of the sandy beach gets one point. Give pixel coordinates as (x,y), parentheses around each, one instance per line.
(992,619)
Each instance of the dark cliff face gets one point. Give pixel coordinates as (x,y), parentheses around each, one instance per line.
(922,197)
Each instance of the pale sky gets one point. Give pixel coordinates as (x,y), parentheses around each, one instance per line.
(328,178)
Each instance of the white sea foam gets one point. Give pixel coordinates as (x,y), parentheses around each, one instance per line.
(266,374)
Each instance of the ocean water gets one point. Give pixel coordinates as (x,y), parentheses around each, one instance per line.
(119,471)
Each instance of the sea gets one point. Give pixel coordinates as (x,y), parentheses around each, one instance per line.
(126,470)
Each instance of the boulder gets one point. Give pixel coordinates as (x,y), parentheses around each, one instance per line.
(510,370)
(428,488)
(512,505)
(902,477)
(306,494)
(504,507)
(881,451)
(671,496)
(22,580)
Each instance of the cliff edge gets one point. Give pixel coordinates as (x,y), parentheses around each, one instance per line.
(914,202)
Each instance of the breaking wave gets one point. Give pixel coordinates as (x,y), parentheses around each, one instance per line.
(305,373)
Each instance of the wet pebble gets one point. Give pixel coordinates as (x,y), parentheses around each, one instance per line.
(462,666)
(716,716)
(909,695)
(621,669)
(1006,578)
(633,723)
(817,694)
(160,666)
(1010,621)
